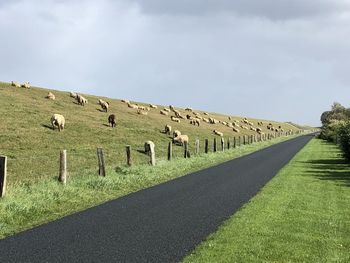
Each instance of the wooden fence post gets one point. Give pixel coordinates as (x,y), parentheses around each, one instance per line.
(214,145)
(128,155)
(170,151)
(239,141)
(234,142)
(185,149)
(101,162)
(3,174)
(222,144)
(152,156)
(206,147)
(196,144)
(228,143)
(63,167)
(244,140)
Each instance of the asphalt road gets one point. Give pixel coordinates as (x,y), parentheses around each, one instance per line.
(159,224)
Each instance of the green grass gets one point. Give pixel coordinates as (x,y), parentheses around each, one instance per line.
(33,147)
(28,204)
(302,215)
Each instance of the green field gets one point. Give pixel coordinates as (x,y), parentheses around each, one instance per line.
(302,215)
(33,147)
(33,194)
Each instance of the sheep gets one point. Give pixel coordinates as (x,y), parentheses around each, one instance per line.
(188,109)
(163,112)
(167,129)
(26,85)
(205,113)
(218,133)
(167,110)
(252,129)
(149,147)
(105,105)
(112,120)
(81,100)
(229,118)
(50,96)
(224,123)
(181,139)
(141,112)
(125,101)
(188,117)
(258,130)
(171,108)
(153,106)
(230,125)
(206,120)
(197,121)
(148,108)
(176,133)
(235,129)
(178,114)
(141,107)
(15,84)
(73,95)
(132,106)
(57,120)
(175,119)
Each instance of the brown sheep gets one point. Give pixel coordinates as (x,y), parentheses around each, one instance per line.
(112,120)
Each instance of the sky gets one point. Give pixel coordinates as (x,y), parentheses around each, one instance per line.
(279,60)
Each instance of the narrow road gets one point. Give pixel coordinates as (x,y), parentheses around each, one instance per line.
(159,224)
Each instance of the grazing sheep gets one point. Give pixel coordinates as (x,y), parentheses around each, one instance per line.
(206,120)
(175,119)
(167,129)
(149,147)
(153,106)
(141,112)
(26,85)
(57,120)
(132,106)
(15,84)
(104,105)
(188,109)
(205,113)
(112,120)
(81,100)
(230,125)
(197,121)
(218,133)
(229,118)
(235,129)
(163,112)
(125,101)
(50,96)
(141,107)
(178,114)
(171,108)
(188,117)
(73,95)
(148,108)
(181,139)
(176,133)
(258,130)
(224,123)
(252,129)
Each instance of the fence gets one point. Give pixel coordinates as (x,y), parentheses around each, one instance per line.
(232,143)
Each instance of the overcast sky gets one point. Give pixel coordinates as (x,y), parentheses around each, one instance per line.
(282,60)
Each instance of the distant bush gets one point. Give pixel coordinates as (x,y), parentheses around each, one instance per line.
(344,139)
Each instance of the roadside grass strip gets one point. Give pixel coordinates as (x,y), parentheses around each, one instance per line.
(301,215)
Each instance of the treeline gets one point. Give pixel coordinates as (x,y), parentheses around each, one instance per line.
(336,127)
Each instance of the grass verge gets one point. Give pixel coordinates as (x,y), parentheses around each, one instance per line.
(28,204)
(302,215)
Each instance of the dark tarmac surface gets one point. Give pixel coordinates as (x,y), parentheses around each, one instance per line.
(159,224)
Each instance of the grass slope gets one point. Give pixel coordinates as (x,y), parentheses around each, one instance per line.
(33,147)
(302,215)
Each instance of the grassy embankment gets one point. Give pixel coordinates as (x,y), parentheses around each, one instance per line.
(302,215)
(34,196)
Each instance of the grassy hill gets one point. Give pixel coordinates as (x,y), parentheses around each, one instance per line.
(33,147)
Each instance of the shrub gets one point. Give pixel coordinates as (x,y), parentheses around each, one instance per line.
(344,139)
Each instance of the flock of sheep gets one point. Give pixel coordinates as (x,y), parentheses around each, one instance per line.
(194,118)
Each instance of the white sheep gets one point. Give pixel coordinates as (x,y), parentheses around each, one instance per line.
(188,109)
(163,112)
(175,119)
(104,105)
(26,85)
(176,133)
(51,96)
(167,129)
(15,84)
(132,106)
(141,112)
(58,120)
(235,129)
(125,101)
(73,95)
(81,100)
(153,106)
(218,133)
(181,139)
